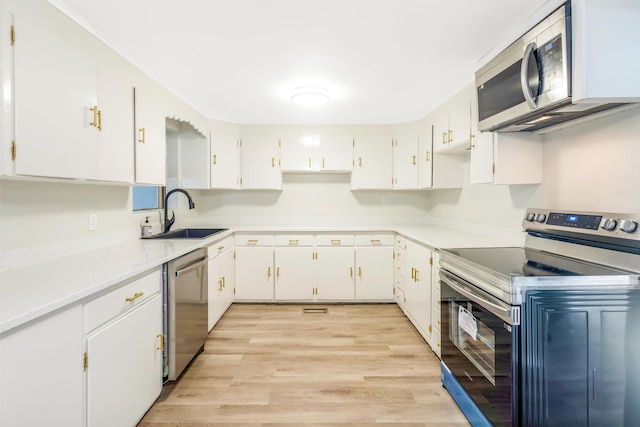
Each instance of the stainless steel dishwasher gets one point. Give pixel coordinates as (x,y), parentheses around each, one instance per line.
(186,310)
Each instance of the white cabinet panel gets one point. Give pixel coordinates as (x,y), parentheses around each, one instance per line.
(53,98)
(294,273)
(41,372)
(405,161)
(150,144)
(373,163)
(124,374)
(374,273)
(225,161)
(299,153)
(254,273)
(261,163)
(418,288)
(335,273)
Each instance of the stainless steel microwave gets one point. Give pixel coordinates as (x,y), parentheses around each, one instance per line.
(527,87)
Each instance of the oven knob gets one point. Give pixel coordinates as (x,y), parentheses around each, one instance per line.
(541,217)
(609,224)
(530,216)
(628,226)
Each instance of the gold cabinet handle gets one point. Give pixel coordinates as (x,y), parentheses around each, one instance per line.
(360,272)
(293,241)
(134,297)
(427,159)
(413,274)
(273,162)
(430,329)
(161,345)
(375,241)
(444,137)
(323,163)
(450,135)
(141,137)
(414,159)
(99,119)
(360,161)
(417,278)
(268,271)
(220,248)
(215,159)
(252,242)
(94,110)
(220,285)
(351,272)
(278,272)
(336,242)
(224,282)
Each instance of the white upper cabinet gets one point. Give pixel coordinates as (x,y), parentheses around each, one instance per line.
(506,158)
(115,140)
(225,161)
(55,105)
(150,144)
(308,152)
(372,163)
(453,126)
(425,159)
(261,162)
(405,161)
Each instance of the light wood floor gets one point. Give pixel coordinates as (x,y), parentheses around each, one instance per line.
(273,365)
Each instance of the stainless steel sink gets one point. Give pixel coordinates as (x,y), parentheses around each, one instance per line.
(188,233)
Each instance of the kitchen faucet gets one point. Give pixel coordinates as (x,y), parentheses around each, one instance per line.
(169,222)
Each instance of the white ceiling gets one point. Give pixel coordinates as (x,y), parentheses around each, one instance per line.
(384,61)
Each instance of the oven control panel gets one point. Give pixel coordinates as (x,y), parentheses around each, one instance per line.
(625,226)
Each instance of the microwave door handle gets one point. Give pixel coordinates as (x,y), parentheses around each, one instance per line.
(524,75)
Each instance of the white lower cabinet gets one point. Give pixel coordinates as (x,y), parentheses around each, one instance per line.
(254,268)
(123,358)
(221,272)
(294,258)
(435,306)
(41,372)
(374,267)
(418,288)
(334,268)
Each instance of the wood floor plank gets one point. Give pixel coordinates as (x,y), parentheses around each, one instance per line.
(273,365)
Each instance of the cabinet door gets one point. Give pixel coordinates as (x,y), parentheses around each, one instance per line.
(225,161)
(335,152)
(425,157)
(151,143)
(374,273)
(215,292)
(481,163)
(53,98)
(260,163)
(41,373)
(227,274)
(115,139)
(418,288)
(335,273)
(373,163)
(298,153)
(254,273)
(405,161)
(294,273)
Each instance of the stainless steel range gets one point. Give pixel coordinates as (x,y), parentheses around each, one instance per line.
(547,334)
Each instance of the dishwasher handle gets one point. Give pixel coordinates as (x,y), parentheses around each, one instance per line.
(190,267)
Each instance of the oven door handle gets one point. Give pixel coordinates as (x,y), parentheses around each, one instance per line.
(502,311)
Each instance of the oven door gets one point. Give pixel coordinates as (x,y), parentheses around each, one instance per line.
(480,346)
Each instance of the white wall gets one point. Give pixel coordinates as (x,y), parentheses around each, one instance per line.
(591,166)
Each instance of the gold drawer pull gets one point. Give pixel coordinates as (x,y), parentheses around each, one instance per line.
(336,242)
(375,242)
(252,242)
(293,242)
(141,137)
(134,297)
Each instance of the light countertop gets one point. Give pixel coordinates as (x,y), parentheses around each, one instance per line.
(30,292)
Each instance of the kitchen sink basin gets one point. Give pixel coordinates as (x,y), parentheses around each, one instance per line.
(188,233)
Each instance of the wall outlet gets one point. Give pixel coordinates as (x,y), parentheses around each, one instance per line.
(385,200)
(93,222)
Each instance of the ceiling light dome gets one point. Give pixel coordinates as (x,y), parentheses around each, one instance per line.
(310,96)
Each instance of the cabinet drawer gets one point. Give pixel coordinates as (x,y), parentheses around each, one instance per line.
(121,300)
(375,240)
(436,321)
(335,240)
(399,268)
(254,239)
(436,342)
(399,297)
(401,242)
(294,239)
(436,280)
(220,247)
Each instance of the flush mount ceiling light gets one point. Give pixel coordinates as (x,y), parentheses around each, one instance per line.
(310,96)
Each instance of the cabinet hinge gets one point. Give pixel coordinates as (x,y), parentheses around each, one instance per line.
(13,150)
(13,35)
(430,261)
(85,361)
